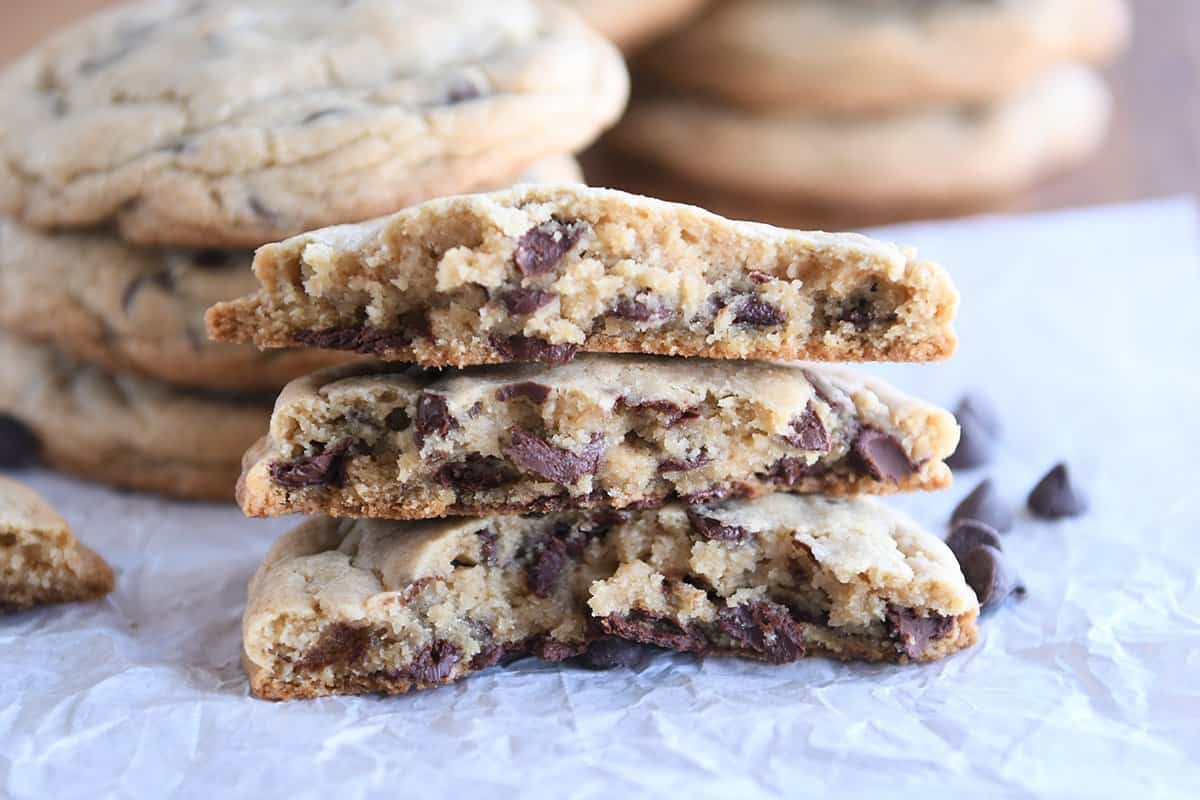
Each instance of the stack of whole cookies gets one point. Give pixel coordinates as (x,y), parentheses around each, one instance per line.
(893,107)
(604,501)
(147,149)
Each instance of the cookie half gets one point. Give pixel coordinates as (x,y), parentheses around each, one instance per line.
(368,606)
(124,430)
(40,560)
(236,122)
(378,440)
(540,273)
(863,57)
(935,157)
(633,24)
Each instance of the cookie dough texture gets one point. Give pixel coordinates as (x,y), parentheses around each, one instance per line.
(863,57)
(378,440)
(236,122)
(362,606)
(633,24)
(40,560)
(934,156)
(128,431)
(538,273)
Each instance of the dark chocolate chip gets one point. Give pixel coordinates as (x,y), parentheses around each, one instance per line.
(1055,496)
(989,576)
(913,633)
(543,247)
(340,643)
(765,629)
(161,279)
(488,545)
(858,311)
(638,626)
(969,534)
(975,444)
(758,313)
(534,454)
(376,341)
(545,567)
(985,505)
(19,445)
(397,420)
(526,301)
(792,471)
(674,413)
(527,348)
(982,409)
(714,530)
(327,468)
(476,473)
(636,309)
(536,393)
(323,114)
(547,648)
(684,464)
(435,663)
(612,653)
(882,456)
(809,434)
(433,416)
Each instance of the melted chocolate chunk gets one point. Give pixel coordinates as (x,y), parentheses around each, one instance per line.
(792,471)
(612,653)
(435,663)
(162,279)
(674,413)
(913,634)
(638,626)
(882,456)
(809,434)
(19,445)
(759,314)
(534,454)
(549,649)
(975,444)
(985,505)
(988,574)
(969,534)
(375,341)
(636,309)
(475,473)
(764,628)
(536,393)
(1055,496)
(714,530)
(543,247)
(433,416)
(542,573)
(527,348)
(327,468)
(340,643)
(488,545)
(859,312)
(526,301)
(684,465)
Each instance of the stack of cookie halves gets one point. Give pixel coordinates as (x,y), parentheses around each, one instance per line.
(590,430)
(146,150)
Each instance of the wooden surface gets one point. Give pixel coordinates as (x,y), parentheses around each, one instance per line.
(1153,150)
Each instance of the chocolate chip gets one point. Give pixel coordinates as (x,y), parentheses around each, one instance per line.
(435,663)
(612,653)
(527,348)
(211,259)
(375,341)
(19,445)
(913,633)
(161,279)
(969,534)
(881,455)
(985,505)
(1055,496)
(433,416)
(340,643)
(526,301)
(989,576)
(858,311)
(764,628)
(543,571)
(673,412)
(637,309)
(534,454)
(638,626)
(489,543)
(536,393)
(397,420)
(547,648)
(323,114)
(476,473)
(327,468)
(981,408)
(543,247)
(713,530)
(684,464)
(758,313)
(809,434)
(975,444)
(792,471)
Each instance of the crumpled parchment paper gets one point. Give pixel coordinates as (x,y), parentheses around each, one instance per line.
(1083,327)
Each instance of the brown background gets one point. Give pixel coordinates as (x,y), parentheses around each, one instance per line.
(1154,148)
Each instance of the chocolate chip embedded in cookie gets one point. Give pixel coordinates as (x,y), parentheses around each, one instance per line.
(541,273)
(379,440)
(809,576)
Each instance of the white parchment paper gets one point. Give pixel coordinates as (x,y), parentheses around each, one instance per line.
(1084,327)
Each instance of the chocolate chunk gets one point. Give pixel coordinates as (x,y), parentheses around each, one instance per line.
(527,348)
(323,114)
(714,530)
(475,473)
(985,505)
(162,279)
(981,408)
(327,468)
(534,454)
(764,628)
(211,259)
(435,663)
(526,301)
(489,655)
(913,633)
(969,534)
(488,545)
(433,416)
(684,464)
(376,341)
(543,247)
(397,420)
(674,413)
(340,643)
(758,313)
(1055,496)
(612,653)
(881,455)
(536,393)
(975,444)
(638,626)
(636,309)
(792,471)
(809,434)
(542,573)
(19,445)
(858,311)
(548,648)
(989,576)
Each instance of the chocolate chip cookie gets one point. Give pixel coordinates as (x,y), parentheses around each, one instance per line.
(366,606)
(235,122)
(633,24)
(125,430)
(379,440)
(40,560)
(863,57)
(541,273)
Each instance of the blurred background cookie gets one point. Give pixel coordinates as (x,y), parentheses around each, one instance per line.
(632,24)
